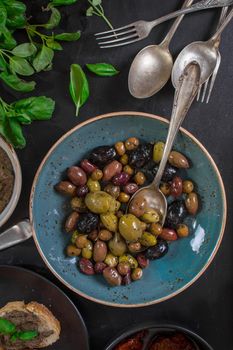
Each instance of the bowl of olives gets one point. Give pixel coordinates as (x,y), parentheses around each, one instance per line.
(86,236)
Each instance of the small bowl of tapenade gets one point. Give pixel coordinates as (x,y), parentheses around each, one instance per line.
(10,180)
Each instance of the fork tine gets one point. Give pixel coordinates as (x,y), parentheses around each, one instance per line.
(116,35)
(120,44)
(213,78)
(199,92)
(115,30)
(119,39)
(205,89)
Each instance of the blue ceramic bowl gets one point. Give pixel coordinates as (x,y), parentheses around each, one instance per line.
(187,259)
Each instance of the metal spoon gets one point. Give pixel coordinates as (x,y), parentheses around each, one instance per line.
(184,95)
(16,234)
(205,53)
(152,66)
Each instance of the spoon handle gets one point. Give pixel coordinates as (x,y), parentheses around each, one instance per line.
(184,95)
(227,20)
(220,22)
(166,41)
(16,234)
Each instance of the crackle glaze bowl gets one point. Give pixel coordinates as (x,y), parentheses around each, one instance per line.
(187,258)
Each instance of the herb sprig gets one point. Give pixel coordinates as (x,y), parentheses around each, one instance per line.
(97,9)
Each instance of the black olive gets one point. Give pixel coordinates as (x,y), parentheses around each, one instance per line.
(141,155)
(102,155)
(158,251)
(176,213)
(87,222)
(168,174)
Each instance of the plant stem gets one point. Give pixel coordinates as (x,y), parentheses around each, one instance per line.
(100,13)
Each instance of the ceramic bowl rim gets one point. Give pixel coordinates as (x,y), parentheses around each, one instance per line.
(127,114)
(9,209)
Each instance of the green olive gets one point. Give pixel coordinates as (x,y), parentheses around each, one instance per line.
(150,216)
(130,227)
(87,250)
(74,236)
(78,204)
(158,151)
(98,202)
(110,221)
(93,185)
(111,260)
(127,258)
(72,250)
(148,240)
(117,245)
(114,205)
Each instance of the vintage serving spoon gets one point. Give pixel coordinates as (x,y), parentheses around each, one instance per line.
(185,93)
(152,66)
(205,53)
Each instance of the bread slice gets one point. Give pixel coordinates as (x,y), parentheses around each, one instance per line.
(47,320)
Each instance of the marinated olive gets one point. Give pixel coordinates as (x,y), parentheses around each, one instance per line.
(72,250)
(139,178)
(97,175)
(182,230)
(112,276)
(113,190)
(105,235)
(168,174)
(111,170)
(131,143)
(102,155)
(93,235)
(123,268)
(176,186)
(143,262)
(111,260)
(117,245)
(176,213)
(74,236)
(123,197)
(86,266)
(127,258)
(148,240)
(137,206)
(126,280)
(137,274)
(141,155)
(87,250)
(99,251)
(158,151)
(168,234)
(134,247)
(66,187)
(110,221)
(77,176)
(71,221)
(178,160)
(144,226)
(87,166)
(98,202)
(120,179)
(188,186)
(78,205)
(130,188)
(81,241)
(156,228)
(150,216)
(165,188)
(130,227)
(87,222)
(82,191)
(191,203)
(93,185)
(99,267)
(158,251)
(120,148)
(124,159)
(128,170)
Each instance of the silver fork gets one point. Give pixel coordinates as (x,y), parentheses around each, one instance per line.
(141,29)
(211,80)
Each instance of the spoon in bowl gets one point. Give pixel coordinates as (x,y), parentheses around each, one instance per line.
(205,53)
(152,66)
(186,91)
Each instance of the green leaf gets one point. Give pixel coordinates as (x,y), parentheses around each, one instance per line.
(53,45)
(16,83)
(28,335)
(3,64)
(96,2)
(6,327)
(68,36)
(14,7)
(54,19)
(43,58)
(13,133)
(37,108)
(89,11)
(79,88)
(24,50)
(62,2)
(21,66)
(23,119)
(102,69)
(6,39)
(15,22)
(3,16)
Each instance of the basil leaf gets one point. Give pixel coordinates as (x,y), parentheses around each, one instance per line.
(28,335)
(53,45)
(14,8)
(24,50)
(3,16)
(96,2)
(79,89)
(43,58)
(68,36)
(7,41)
(37,108)
(102,69)
(13,133)
(15,22)
(3,64)
(23,118)
(89,11)
(21,66)
(6,327)
(16,83)
(62,2)
(54,19)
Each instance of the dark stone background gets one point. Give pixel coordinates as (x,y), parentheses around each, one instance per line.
(207,306)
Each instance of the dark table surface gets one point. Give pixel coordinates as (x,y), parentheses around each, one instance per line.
(207,306)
